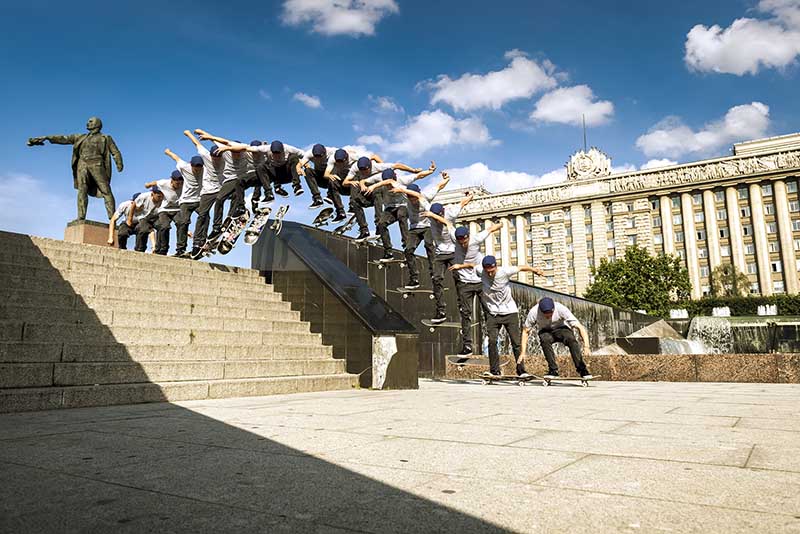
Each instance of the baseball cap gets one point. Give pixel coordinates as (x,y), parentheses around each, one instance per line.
(489,261)
(388,174)
(196,161)
(340,155)
(318,151)
(256,142)
(364,163)
(214,151)
(413,187)
(135,196)
(437,208)
(546,305)
(176,175)
(462,232)
(276,147)
(155,189)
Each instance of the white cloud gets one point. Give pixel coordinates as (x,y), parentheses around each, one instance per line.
(658,163)
(568,105)
(371,140)
(748,44)
(672,138)
(338,17)
(436,129)
(385,104)
(265,95)
(522,78)
(308,100)
(498,181)
(16,214)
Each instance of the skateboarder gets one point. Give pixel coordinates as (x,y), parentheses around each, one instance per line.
(501,308)
(337,172)
(282,165)
(419,228)
(313,166)
(467,254)
(395,207)
(442,221)
(213,165)
(123,230)
(189,202)
(233,173)
(168,211)
(555,323)
(144,206)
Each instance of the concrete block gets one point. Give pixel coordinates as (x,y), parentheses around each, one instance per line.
(788,368)
(77,374)
(652,367)
(23,297)
(736,367)
(26,375)
(15,352)
(256,369)
(11,330)
(107,395)
(30,399)
(117,352)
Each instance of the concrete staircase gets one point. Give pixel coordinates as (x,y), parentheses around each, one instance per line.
(83,325)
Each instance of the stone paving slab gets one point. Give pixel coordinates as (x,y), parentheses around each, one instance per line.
(449,457)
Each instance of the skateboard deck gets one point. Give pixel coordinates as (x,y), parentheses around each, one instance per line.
(382,264)
(277,224)
(463,361)
(232,231)
(346,227)
(488,378)
(259,221)
(447,324)
(323,217)
(583,382)
(408,292)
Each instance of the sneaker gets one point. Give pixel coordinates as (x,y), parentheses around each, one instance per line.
(521,370)
(298,191)
(587,377)
(340,217)
(523,375)
(350,210)
(386,257)
(213,235)
(412,285)
(491,373)
(550,376)
(268,199)
(466,351)
(362,236)
(440,318)
(281,191)
(316,203)
(328,200)
(180,254)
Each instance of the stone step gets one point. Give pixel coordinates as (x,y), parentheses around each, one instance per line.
(23,375)
(286,347)
(68,270)
(38,332)
(28,399)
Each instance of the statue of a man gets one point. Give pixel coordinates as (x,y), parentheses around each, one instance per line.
(91,163)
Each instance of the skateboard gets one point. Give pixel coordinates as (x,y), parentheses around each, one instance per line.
(346,227)
(231,232)
(259,221)
(584,382)
(366,241)
(277,225)
(210,247)
(408,292)
(447,324)
(382,264)
(488,378)
(463,361)
(323,217)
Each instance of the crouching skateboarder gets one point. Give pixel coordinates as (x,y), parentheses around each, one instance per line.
(555,323)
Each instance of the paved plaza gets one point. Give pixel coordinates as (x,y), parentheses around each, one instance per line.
(450,457)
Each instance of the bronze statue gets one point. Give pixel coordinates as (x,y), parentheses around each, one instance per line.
(91,163)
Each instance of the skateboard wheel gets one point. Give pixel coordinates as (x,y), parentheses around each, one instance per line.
(521,384)
(545,383)
(432,329)
(405,296)
(585,384)
(484,382)
(431,297)
(380,266)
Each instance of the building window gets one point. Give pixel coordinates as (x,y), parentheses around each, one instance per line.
(766,190)
(796,225)
(571,280)
(609,226)
(548,248)
(546,217)
(631,240)
(702,252)
(567,215)
(706,290)
(704,271)
(777,286)
(725,251)
(701,235)
(679,237)
(769,209)
(752,268)
(754,288)
(776,266)
(723,233)
(722,215)
(656,220)
(610,243)
(514,254)
(719,196)
(629,205)
(655,204)
(747,229)
(745,211)
(697,199)
(677,220)
(589,245)
(548,264)
(794,206)
(772,228)
(699,216)
(513,236)
(791,186)
(630,223)
(743,193)
(568,231)
(547,232)
(569,247)
(549,280)
(774,246)
(588,229)
(749,248)
(676,202)
(658,239)
(587,212)
(609,209)
(797,244)
(681,254)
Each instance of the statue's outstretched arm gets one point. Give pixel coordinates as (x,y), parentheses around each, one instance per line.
(115,153)
(62,139)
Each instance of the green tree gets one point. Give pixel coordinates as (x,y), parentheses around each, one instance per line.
(727,281)
(640,281)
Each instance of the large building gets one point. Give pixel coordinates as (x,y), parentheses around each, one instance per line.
(742,210)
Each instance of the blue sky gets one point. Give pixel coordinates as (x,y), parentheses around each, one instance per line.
(490,91)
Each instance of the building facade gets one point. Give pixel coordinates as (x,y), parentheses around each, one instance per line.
(742,210)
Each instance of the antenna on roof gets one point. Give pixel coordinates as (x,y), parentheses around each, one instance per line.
(583,116)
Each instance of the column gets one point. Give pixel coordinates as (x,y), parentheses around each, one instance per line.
(489,243)
(473,228)
(559,234)
(690,242)
(760,239)
(667,230)
(579,257)
(619,224)
(538,255)
(505,245)
(735,229)
(644,224)
(712,229)
(599,232)
(785,232)
(522,248)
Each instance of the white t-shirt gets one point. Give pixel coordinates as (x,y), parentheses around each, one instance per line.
(472,255)
(442,241)
(212,171)
(235,166)
(171,196)
(391,199)
(562,316)
(288,152)
(415,219)
(122,213)
(191,184)
(340,168)
(320,163)
(371,177)
(497,291)
(145,206)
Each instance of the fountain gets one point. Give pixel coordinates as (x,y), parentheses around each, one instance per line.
(680,313)
(712,335)
(768,309)
(722,311)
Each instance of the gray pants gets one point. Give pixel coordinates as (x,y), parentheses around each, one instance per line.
(415,236)
(440,264)
(468,293)
(391,215)
(182,222)
(201,226)
(163,224)
(493,323)
(143,230)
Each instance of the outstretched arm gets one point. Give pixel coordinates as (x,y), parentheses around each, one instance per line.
(457,266)
(529,269)
(427,172)
(205,136)
(115,153)
(382,183)
(192,138)
(376,158)
(111,224)
(148,185)
(404,167)
(494,227)
(438,218)
(407,192)
(172,154)
(445,180)
(467,199)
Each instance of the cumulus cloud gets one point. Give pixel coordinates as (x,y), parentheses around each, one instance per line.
(497,181)
(371,140)
(658,163)
(522,78)
(568,105)
(16,214)
(264,94)
(436,129)
(672,138)
(385,104)
(748,44)
(308,100)
(338,17)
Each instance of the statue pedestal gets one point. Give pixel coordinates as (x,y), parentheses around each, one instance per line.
(88,232)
